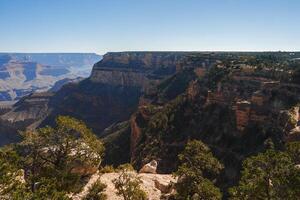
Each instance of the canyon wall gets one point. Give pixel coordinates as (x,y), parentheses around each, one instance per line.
(111,93)
(136,69)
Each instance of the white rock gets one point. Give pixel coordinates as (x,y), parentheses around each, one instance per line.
(149,167)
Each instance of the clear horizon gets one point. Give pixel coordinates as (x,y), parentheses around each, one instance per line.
(68,52)
(96,26)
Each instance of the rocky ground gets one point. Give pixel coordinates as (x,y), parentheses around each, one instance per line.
(148,185)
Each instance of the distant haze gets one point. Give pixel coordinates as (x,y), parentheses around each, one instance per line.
(24,73)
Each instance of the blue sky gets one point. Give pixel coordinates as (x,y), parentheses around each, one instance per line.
(126,25)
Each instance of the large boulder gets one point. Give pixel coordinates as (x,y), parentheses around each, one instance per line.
(149,167)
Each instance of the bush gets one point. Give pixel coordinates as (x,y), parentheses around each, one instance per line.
(126,166)
(96,192)
(128,186)
(197,172)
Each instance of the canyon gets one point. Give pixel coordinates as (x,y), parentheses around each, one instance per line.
(123,80)
(148,105)
(24,73)
(109,95)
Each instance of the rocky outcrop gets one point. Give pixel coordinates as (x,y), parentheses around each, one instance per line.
(136,69)
(153,184)
(150,167)
(242,114)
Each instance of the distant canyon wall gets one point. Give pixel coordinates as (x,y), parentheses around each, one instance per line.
(24,73)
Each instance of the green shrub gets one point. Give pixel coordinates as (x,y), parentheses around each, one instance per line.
(128,186)
(96,192)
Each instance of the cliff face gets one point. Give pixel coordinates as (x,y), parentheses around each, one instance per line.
(136,69)
(159,62)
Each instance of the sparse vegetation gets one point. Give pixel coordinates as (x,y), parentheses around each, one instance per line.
(128,186)
(96,192)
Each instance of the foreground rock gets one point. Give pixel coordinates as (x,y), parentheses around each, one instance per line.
(150,185)
(149,167)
